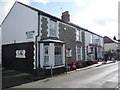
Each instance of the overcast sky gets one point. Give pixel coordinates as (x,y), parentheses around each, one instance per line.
(98,16)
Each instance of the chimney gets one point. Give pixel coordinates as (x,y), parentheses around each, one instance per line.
(65,16)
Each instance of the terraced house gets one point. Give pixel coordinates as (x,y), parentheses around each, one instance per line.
(34,39)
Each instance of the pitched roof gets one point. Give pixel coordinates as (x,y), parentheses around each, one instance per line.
(51,16)
(108,40)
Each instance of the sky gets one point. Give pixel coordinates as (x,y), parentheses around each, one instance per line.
(98,16)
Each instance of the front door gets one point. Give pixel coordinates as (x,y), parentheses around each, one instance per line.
(96,53)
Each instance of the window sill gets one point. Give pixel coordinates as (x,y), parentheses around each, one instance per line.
(46,66)
(59,65)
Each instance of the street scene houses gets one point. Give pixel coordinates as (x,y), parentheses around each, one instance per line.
(111,47)
(33,39)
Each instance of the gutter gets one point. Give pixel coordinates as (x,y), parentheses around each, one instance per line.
(36,42)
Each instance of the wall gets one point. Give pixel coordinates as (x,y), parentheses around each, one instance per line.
(87,38)
(0,45)
(19,28)
(101,41)
(95,37)
(65,33)
(10,59)
(110,46)
(68,36)
(19,21)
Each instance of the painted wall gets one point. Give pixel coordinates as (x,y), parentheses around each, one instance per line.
(96,39)
(101,42)
(87,38)
(12,57)
(111,46)
(19,23)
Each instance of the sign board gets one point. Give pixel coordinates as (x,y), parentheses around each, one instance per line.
(97,41)
(20,54)
(30,34)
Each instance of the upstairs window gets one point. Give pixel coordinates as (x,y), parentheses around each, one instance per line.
(78,35)
(91,36)
(53,28)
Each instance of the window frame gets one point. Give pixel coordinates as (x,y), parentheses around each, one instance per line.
(78,54)
(78,35)
(53,30)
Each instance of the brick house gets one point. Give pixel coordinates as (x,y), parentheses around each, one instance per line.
(32,39)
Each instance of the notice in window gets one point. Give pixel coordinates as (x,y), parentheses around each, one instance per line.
(20,54)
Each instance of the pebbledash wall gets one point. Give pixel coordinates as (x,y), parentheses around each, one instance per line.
(32,38)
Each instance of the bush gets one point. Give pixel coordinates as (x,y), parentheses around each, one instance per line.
(78,64)
(89,62)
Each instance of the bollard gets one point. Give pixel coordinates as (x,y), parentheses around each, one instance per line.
(66,67)
(51,71)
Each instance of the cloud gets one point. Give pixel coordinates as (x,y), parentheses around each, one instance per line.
(100,16)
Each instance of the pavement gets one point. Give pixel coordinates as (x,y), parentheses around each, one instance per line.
(91,66)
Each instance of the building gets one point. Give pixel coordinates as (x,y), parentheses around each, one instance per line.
(34,39)
(0,45)
(111,46)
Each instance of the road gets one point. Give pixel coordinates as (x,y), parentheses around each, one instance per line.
(105,76)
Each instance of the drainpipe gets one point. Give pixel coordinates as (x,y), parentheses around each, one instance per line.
(103,50)
(38,47)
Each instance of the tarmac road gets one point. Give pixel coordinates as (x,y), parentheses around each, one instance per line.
(104,76)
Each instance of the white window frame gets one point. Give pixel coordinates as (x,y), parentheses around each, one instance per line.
(91,37)
(61,53)
(78,58)
(54,30)
(68,53)
(78,35)
(46,54)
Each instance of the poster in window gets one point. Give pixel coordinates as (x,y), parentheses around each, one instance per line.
(20,54)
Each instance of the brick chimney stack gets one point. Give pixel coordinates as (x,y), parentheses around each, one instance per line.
(65,16)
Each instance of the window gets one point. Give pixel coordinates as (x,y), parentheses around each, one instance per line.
(46,50)
(68,53)
(46,55)
(58,50)
(91,38)
(78,35)
(78,53)
(53,29)
(58,55)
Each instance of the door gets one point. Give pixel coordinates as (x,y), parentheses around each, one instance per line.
(96,53)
